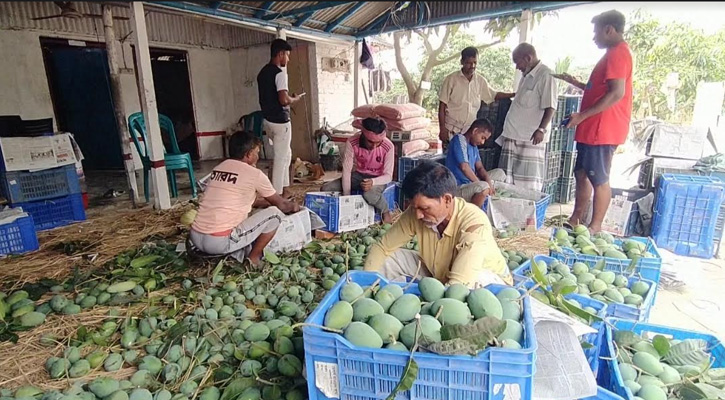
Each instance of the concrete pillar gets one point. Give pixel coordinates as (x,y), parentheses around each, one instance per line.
(356,73)
(525,30)
(114,62)
(155,145)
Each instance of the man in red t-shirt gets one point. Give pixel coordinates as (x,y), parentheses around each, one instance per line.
(603,121)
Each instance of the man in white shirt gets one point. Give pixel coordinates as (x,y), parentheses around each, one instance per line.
(526,129)
(461,95)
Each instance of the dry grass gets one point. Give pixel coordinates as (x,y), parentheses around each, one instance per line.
(103,237)
(23,363)
(530,243)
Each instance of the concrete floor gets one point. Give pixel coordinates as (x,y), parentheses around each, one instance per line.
(696,305)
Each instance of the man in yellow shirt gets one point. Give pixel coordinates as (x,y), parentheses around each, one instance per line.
(455,237)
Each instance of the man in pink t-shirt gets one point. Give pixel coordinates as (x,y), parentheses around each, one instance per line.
(223,224)
(367,166)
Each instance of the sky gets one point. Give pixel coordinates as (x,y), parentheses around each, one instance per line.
(570,33)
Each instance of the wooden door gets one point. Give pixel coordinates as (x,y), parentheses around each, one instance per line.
(298,72)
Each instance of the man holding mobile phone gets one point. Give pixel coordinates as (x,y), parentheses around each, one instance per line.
(602,124)
(275,101)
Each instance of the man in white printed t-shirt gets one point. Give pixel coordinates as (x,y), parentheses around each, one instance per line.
(525,132)
(461,95)
(275,101)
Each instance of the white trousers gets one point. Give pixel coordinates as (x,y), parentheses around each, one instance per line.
(280,136)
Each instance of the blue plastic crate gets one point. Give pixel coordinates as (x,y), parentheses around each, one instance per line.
(604,394)
(646,267)
(609,376)
(391,196)
(22,186)
(405,164)
(541,206)
(18,237)
(685,214)
(622,311)
(52,213)
(365,373)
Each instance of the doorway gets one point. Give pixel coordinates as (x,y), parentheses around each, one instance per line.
(78,78)
(173,96)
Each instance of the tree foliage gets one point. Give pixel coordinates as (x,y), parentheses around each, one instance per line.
(448,52)
(494,63)
(660,49)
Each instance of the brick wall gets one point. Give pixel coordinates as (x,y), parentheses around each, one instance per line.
(335,90)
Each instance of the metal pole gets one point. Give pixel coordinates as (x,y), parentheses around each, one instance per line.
(118,108)
(356,74)
(150,112)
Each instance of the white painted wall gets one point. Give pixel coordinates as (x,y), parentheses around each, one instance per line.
(245,65)
(23,80)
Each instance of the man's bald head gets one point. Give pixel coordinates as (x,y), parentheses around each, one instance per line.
(524,56)
(524,49)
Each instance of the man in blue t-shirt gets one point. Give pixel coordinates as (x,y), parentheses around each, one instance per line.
(464,160)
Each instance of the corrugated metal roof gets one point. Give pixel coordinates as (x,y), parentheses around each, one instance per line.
(361,22)
(321,18)
(163,27)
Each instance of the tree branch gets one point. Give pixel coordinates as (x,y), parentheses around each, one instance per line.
(407,78)
(426,41)
(454,56)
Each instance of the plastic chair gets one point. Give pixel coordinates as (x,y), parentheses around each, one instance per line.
(254,122)
(173,161)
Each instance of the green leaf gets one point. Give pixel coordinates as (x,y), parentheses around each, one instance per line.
(271,257)
(561,288)
(715,377)
(661,344)
(483,329)
(586,345)
(632,265)
(698,391)
(236,387)
(218,268)
(579,312)
(406,381)
(538,275)
(143,261)
(687,352)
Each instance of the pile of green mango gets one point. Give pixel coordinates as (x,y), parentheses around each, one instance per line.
(605,286)
(514,258)
(601,244)
(387,317)
(662,368)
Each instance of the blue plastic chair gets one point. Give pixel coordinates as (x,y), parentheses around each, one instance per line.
(176,160)
(253,122)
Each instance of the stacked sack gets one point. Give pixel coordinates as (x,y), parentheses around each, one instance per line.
(399,117)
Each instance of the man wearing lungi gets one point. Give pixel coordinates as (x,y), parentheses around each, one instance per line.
(526,129)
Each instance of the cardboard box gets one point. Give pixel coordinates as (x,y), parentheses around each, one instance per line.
(340,213)
(37,153)
(674,141)
(519,211)
(295,231)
